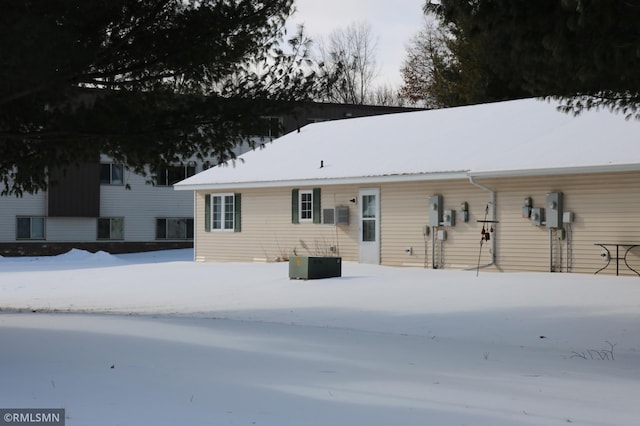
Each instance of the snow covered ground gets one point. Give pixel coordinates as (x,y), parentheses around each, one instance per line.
(157,339)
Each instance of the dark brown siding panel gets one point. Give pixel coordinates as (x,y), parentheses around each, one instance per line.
(75,192)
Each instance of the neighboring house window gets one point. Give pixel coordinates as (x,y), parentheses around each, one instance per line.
(110,228)
(174,228)
(272,127)
(306,206)
(111,174)
(315,120)
(222,212)
(30,228)
(167,176)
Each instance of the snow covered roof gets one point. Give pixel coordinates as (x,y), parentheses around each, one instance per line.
(514,138)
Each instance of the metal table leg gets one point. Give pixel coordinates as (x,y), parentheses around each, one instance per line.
(608,259)
(625,259)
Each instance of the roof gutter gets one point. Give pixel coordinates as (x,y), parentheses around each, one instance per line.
(607,168)
(492,203)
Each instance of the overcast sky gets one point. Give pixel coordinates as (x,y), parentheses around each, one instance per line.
(393,22)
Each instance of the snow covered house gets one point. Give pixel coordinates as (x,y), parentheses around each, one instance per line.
(102,206)
(508,186)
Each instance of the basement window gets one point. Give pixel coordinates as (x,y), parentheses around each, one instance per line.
(111,228)
(172,228)
(30,228)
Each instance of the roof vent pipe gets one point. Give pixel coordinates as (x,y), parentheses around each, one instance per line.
(492,202)
(321,163)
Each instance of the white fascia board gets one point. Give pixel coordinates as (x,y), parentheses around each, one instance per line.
(553,171)
(363,180)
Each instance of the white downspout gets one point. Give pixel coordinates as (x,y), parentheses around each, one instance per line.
(492,202)
(195,225)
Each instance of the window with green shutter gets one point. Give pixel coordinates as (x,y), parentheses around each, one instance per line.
(295,216)
(207,213)
(306,206)
(222,212)
(237,213)
(317,206)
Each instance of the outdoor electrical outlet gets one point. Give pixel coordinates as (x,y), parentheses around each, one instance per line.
(560,234)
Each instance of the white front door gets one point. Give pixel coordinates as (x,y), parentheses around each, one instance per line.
(369,202)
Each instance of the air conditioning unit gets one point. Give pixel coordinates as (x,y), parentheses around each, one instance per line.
(342,215)
(336,216)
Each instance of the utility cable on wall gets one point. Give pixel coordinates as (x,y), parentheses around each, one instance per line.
(485,233)
(425,234)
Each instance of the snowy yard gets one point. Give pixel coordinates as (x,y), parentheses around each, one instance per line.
(157,339)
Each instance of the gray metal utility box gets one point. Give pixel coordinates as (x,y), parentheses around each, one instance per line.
(314,267)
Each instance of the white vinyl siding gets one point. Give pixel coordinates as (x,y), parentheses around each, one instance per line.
(66,229)
(29,205)
(140,206)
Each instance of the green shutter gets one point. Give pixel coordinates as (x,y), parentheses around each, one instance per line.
(237,213)
(295,215)
(207,213)
(317,206)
